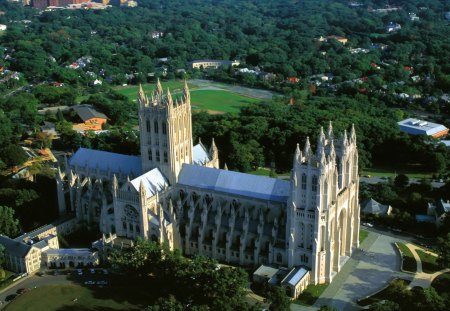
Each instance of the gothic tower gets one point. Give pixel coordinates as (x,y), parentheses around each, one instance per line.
(323,208)
(165,127)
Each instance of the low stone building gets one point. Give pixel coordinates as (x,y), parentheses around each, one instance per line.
(20,257)
(70,258)
(372,207)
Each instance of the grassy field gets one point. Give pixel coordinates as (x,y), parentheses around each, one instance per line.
(131,91)
(363,234)
(76,297)
(310,294)
(219,101)
(410,171)
(429,264)
(409,263)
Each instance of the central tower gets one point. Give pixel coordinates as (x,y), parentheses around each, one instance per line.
(165,128)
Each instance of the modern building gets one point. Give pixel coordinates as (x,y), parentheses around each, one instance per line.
(211,63)
(418,127)
(175,193)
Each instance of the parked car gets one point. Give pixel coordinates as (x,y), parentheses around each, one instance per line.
(10,297)
(92,271)
(89,283)
(40,273)
(21,291)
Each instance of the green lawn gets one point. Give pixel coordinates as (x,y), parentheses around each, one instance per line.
(410,171)
(61,297)
(429,264)
(363,234)
(409,263)
(219,101)
(310,294)
(381,295)
(131,91)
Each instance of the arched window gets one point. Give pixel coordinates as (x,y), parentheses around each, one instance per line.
(304,181)
(156,127)
(164,129)
(314,183)
(150,155)
(148,125)
(165,157)
(157,156)
(279,257)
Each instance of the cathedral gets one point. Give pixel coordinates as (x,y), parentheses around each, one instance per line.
(175,193)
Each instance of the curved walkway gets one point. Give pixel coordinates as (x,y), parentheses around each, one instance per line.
(421,278)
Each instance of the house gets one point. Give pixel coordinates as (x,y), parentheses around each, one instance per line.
(438,210)
(212,63)
(97,82)
(392,27)
(3,27)
(340,39)
(92,119)
(49,129)
(293,79)
(157,34)
(372,207)
(375,66)
(418,127)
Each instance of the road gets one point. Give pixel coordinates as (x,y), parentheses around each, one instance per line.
(369,269)
(377,180)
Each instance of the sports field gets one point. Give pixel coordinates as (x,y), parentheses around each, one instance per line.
(219,101)
(214,101)
(76,297)
(131,91)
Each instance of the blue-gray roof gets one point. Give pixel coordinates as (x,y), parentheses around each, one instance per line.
(117,163)
(200,155)
(15,248)
(253,186)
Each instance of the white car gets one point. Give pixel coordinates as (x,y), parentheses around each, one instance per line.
(367,224)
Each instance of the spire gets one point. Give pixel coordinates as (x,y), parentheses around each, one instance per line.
(298,154)
(323,159)
(186,92)
(344,138)
(320,142)
(200,141)
(307,148)
(225,167)
(159,89)
(330,131)
(353,134)
(141,93)
(142,189)
(213,151)
(169,98)
(332,150)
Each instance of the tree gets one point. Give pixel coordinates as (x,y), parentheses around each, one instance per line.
(12,155)
(443,251)
(9,225)
(279,301)
(401,181)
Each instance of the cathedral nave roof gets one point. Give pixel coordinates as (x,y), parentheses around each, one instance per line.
(115,162)
(252,186)
(153,181)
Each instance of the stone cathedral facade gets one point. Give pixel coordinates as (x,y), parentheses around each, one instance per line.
(175,193)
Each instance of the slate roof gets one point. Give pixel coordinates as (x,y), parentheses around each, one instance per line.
(370,206)
(86,113)
(253,186)
(153,181)
(200,155)
(118,163)
(15,248)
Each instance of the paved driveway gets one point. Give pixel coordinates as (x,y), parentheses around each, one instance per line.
(364,273)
